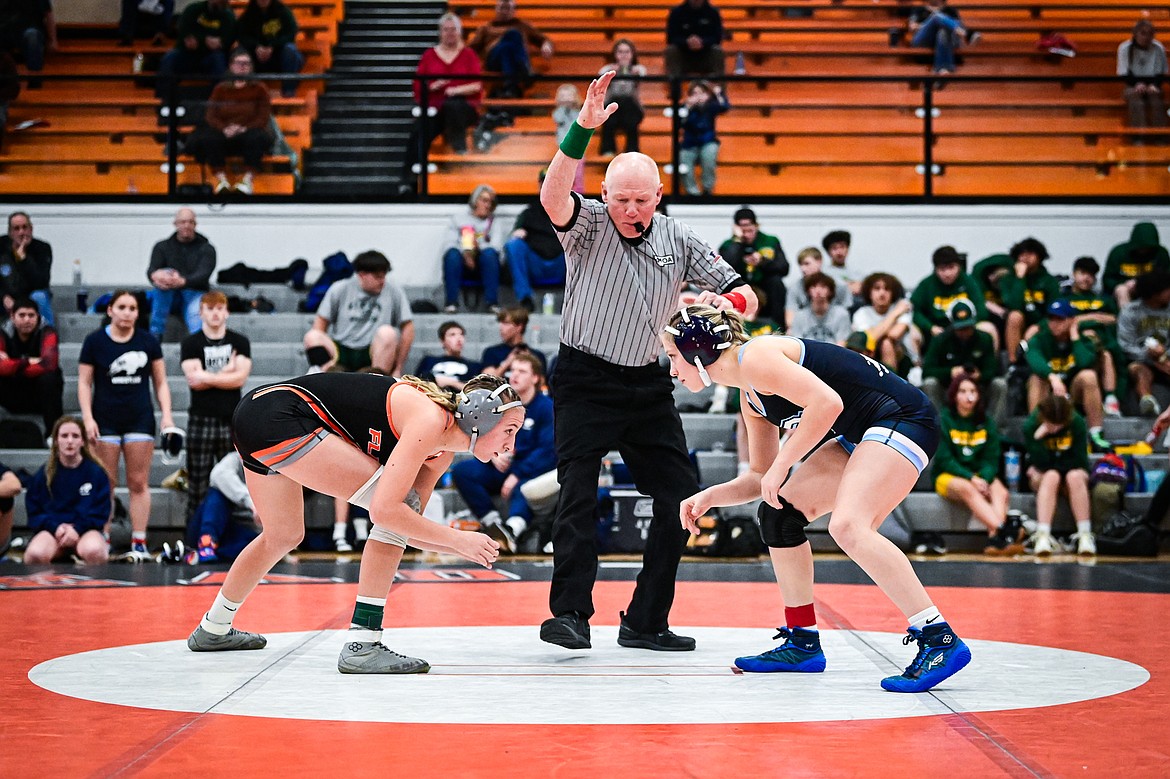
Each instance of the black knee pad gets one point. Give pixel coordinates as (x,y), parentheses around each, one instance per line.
(317,356)
(781,528)
(7,504)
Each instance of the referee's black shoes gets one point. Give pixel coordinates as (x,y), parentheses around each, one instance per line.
(666,641)
(570,630)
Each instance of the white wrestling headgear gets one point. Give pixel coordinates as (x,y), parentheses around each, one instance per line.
(700,341)
(479,411)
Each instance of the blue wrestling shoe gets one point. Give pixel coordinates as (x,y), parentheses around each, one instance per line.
(800,653)
(941,655)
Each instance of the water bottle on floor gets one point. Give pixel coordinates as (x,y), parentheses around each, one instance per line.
(1011,469)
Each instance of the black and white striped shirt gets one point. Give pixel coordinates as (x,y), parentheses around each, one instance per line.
(620,293)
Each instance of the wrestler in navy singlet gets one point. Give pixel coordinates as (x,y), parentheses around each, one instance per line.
(872,397)
(278,423)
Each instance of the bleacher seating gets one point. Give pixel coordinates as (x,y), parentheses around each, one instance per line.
(987,130)
(103,136)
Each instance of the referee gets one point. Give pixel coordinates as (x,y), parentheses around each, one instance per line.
(625,266)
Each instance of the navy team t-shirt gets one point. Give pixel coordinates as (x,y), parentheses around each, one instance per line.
(121,373)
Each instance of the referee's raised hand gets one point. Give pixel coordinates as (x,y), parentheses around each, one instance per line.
(594,111)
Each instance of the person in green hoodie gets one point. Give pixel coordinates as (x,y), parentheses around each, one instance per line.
(207,30)
(1096,320)
(966,466)
(963,349)
(988,273)
(268,29)
(1058,461)
(1026,292)
(1062,364)
(1141,254)
(933,296)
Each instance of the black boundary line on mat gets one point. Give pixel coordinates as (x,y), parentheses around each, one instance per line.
(998,748)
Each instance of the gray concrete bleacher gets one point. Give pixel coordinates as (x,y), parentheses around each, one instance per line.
(277,354)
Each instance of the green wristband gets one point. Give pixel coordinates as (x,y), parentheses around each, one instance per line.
(576,141)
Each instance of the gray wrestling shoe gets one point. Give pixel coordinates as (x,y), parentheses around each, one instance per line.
(373,657)
(201,640)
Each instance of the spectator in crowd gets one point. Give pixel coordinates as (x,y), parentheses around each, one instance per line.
(963,350)
(937,26)
(1142,331)
(1064,364)
(1058,461)
(700,145)
(989,274)
(886,322)
(534,254)
(26,265)
(513,323)
(1096,318)
(114,372)
(471,253)
(362,321)
(237,122)
(1026,292)
(623,90)
(180,270)
(1141,60)
(836,244)
(694,40)
(502,46)
(453,91)
(933,296)
(568,103)
(450,370)
(823,320)
(226,518)
(809,261)
(29,27)
(759,259)
(505,475)
(158,13)
(1142,253)
(207,29)
(966,466)
(216,362)
(68,500)
(268,30)
(10,487)
(31,381)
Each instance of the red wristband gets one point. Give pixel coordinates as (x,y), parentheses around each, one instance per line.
(738,301)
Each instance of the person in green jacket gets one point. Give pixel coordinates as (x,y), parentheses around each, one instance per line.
(207,30)
(1058,460)
(268,29)
(966,466)
(1062,364)
(963,349)
(760,259)
(1096,320)
(933,296)
(988,273)
(1026,292)
(1141,254)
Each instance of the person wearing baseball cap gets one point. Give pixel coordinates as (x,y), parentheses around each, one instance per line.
(1097,321)
(1064,364)
(963,348)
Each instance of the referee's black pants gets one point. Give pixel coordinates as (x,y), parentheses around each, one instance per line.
(600,407)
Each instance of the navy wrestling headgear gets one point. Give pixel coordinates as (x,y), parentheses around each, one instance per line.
(699,340)
(478,411)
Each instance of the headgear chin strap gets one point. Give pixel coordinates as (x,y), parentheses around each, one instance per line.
(700,341)
(479,411)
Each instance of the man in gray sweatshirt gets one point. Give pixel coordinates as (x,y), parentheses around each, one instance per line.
(1142,331)
(1142,61)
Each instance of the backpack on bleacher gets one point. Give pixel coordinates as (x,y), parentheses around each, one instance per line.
(335,268)
(21,434)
